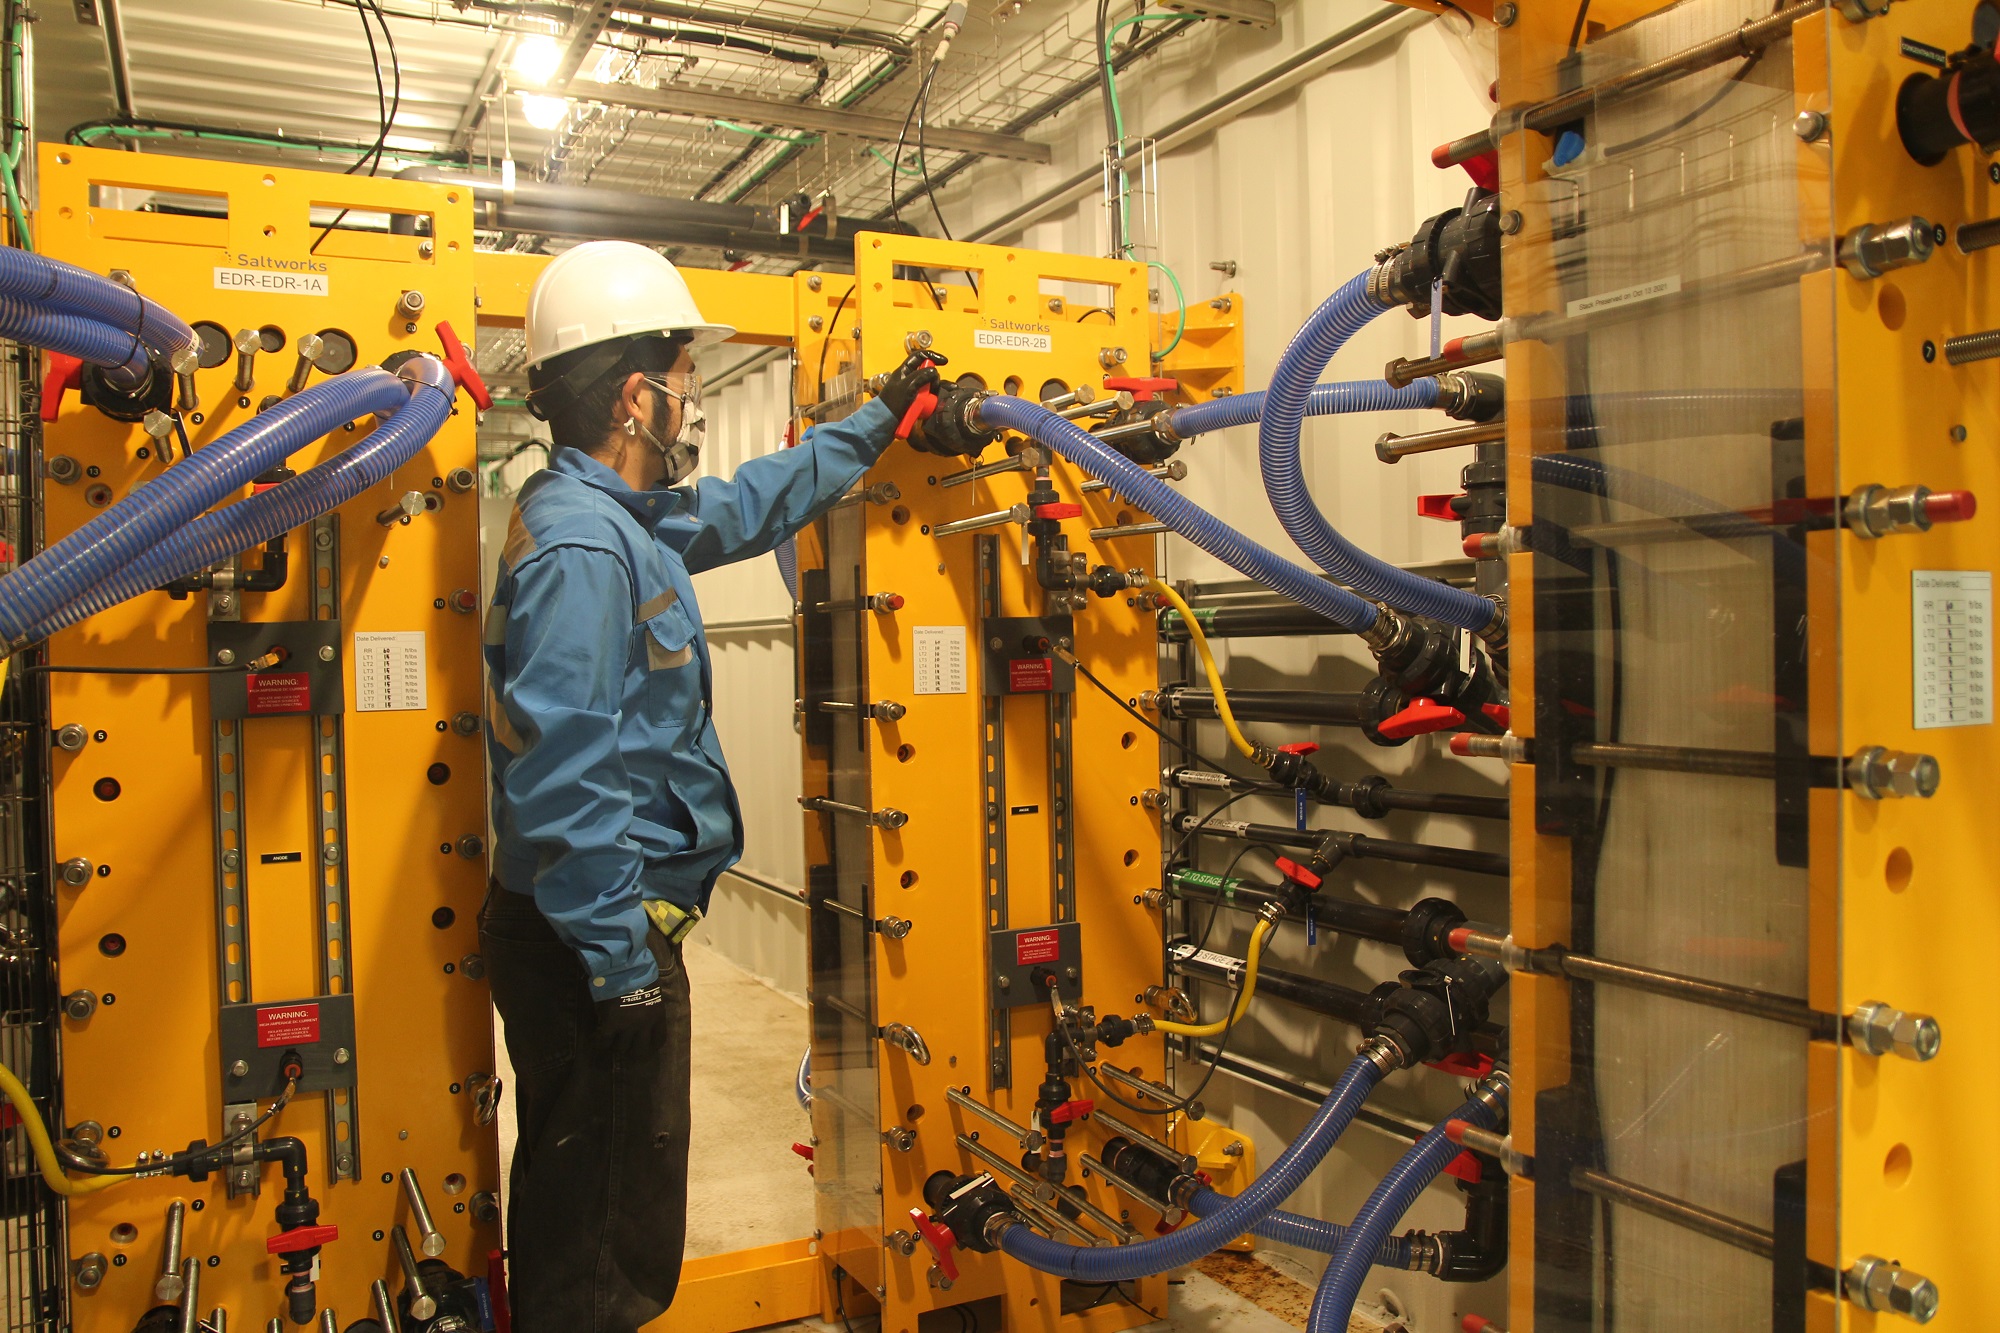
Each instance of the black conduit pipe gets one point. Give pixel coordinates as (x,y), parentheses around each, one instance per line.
(1370,797)
(1247,622)
(1313,708)
(1356,845)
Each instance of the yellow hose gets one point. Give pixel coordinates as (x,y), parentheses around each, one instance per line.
(45,1153)
(1236,736)
(1220,1026)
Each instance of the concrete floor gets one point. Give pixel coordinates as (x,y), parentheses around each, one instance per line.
(747,1042)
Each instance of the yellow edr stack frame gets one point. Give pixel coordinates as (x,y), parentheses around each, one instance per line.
(396,829)
(1917,907)
(977,808)
(1891,909)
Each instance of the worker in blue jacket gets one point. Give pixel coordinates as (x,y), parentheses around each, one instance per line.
(612,806)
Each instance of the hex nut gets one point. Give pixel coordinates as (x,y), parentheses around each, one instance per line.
(76,872)
(465,723)
(1912,774)
(62,469)
(1917,1037)
(1870,250)
(71,737)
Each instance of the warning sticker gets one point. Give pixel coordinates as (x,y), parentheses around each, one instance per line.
(288,1025)
(1030,674)
(1037,946)
(279,692)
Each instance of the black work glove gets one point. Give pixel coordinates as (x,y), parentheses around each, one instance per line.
(633,1025)
(901,386)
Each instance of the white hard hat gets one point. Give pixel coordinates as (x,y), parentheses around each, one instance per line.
(611,289)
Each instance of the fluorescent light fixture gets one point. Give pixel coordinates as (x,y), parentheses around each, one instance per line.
(544,113)
(535,59)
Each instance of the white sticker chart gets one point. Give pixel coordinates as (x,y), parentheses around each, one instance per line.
(1951,622)
(389,672)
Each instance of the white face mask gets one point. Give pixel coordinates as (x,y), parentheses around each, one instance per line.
(683,455)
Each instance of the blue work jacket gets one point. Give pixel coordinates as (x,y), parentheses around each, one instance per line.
(609,786)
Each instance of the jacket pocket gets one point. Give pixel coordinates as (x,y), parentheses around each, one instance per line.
(669,639)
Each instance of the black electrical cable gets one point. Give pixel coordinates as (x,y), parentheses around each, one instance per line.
(1707,105)
(1576,29)
(1110,316)
(1147,723)
(819,379)
(1215,908)
(183,1158)
(1180,1104)
(1180,848)
(924,169)
(388,109)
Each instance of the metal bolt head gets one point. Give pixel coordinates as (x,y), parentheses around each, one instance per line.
(1958,435)
(239,1069)
(1912,774)
(1005,983)
(460,479)
(89,1271)
(1111,357)
(472,966)
(1505,13)
(225,657)
(1873,1283)
(1810,126)
(815,323)
(62,469)
(1221,305)
(1917,1037)
(71,737)
(157,424)
(326,652)
(248,342)
(485,1207)
(1511,222)
(76,872)
(80,1004)
(425,249)
(1055,305)
(1870,250)
(814,283)
(342,1055)
(470,846)
(465,724)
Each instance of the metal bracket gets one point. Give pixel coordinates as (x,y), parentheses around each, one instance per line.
(343,1121)
(993,760)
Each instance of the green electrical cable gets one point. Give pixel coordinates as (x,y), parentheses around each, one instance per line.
(12,155)
(1180,296)
(734,128)
(254,140)
(1110,35)
(883,158)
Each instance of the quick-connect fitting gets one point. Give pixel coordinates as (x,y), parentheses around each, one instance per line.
(1472,395)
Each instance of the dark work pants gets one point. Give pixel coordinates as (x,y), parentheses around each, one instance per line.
(597,1217)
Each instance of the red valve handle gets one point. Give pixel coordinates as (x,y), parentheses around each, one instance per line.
(938,1240)
(1074,1109)
(1421,716)
(1501,715)
(1306,748)
(804,1150)
(301,1238)
(921,406)
(1297,873)
(1057,510)
(1463,1066)
(64,373)
(459,363)
(1141,387)
(1436,506)
(1477,1323)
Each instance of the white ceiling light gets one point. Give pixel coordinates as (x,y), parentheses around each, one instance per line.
(544,113)
(535,59)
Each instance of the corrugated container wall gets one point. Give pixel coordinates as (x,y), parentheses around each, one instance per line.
(1299,191)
